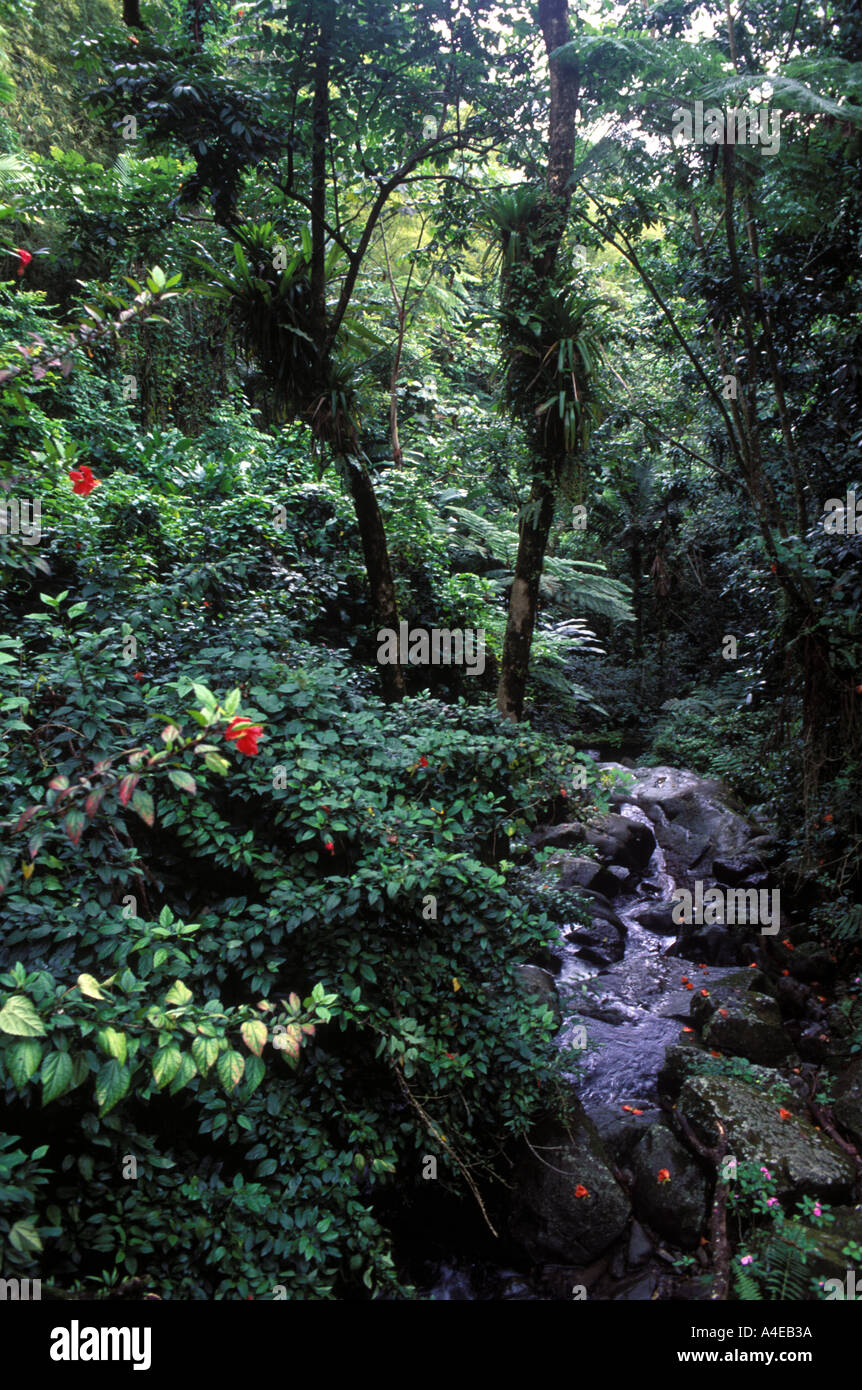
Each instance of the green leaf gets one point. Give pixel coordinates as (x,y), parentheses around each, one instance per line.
(58,1076)
(22,1061)
(166,1064)
(205,1051)
(112,1083)
(186,1071)
(254,1035)
(255,1070)
(178,994)
(142,802)
(73,825)
(19,1017)
(183,780)
(216,763)
(112,1042)
(231,1066)
(24,1237)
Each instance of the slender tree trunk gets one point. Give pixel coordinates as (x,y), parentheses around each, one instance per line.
(378,569)
(535,527)
(524,599)
(365,505)
(319,146)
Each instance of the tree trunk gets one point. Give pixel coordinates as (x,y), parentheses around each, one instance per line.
(377,566)
(535,529)
(524,599)
(319,146)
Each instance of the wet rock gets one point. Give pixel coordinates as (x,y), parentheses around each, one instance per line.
(827,1260)
(540,984)
(681,1060)
(565,836)
(847,1107)
(601,942)
(640,1245)
(733,989)
(658,917)
(578,872)
(708,945)
(750,1027)
(549,1220)
(694,822)
(809,962)
(737,873)
(690,1058)
(675,1208)
(622,841)
(547,959)
(620,1130)
(803,1161)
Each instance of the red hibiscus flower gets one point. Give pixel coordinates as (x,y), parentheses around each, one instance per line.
(663,1175)
(83,481)
(581,1191)
(139,676)
(24,257)
(330,846)
(423,761)
(244,734)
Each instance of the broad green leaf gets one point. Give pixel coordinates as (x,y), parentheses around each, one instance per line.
(255,1070)
(230,1068)
(112,1042)
(112,1083)
(205,1051)
(23,1060)
(178,993)
(19,1017)
(254,1035)
(166,1064)
(185,1072)
(58,1076)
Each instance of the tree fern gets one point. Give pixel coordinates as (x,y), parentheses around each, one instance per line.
(581,583)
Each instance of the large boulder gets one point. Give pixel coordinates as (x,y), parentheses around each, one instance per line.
(803,1162)
(694,824)
(749,1027)
(578,872)
(675,1206)
(847,1107)
(658,917)
(568,1206)
(620,840)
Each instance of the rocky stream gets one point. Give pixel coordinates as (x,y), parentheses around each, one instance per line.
(671,1028)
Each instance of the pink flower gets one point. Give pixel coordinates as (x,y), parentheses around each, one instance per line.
(818,1210)
(766,1173)
(746,1259)
(772,1202)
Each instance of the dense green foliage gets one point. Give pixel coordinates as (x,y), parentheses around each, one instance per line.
(176,898)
